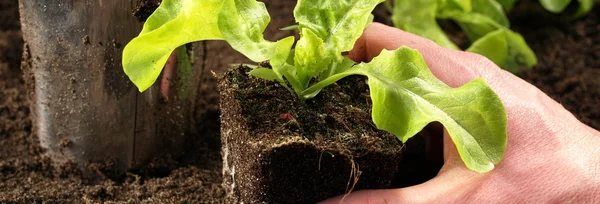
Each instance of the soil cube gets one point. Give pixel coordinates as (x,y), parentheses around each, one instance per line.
(277,148)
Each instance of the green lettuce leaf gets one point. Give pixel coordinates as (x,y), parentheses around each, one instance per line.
(242,23)
(492,10)
(583,8)
(145,56)
(406,97)
(477,19)
(310,57)
(462,5)
(327,29)
(419,17)
(487,16)
(264,73)
(338,23)
(507,4)
(280,66)
(506,49)
(569,8)
(555,6)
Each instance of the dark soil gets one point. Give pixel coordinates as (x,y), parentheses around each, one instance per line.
(568,70)
(145,8)
(26,176)
(569,58)
(280,149)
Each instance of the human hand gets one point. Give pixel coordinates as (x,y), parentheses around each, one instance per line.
(168,76)
(550,155)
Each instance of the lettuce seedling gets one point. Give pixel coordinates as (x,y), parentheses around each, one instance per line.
(573,9)
(577,8)
(483,21)
(406,95)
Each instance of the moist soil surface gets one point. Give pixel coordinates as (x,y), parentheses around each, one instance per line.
(568,71)
(280,149)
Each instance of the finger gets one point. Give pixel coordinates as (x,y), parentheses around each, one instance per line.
(453,67)
(377,37)
(168,75)
(456,68)
(406,195)
(445,188)
(450,151)
(451,157)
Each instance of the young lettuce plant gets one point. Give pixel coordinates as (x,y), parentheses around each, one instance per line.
(483,21)
(406,95)
(573,9)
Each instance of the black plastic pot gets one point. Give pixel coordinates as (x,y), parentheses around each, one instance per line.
(85,108)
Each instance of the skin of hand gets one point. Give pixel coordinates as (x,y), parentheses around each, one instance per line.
(168,74)
(551,157)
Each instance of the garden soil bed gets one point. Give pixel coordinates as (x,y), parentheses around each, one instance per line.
(568,70)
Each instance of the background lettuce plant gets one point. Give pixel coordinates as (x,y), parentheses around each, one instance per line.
(573,9)
(483,21)
(406,95)
(578,7)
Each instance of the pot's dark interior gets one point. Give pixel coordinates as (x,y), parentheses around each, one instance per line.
(568,70)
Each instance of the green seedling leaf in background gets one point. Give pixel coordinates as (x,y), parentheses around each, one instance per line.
(486,16)
(406,96)
(555,6)
(507,4)
(505,48)
(569,8)
(477,19)
(419,17)
(583,8)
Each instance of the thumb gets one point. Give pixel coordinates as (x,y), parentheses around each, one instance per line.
(453,67)
(448,185)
